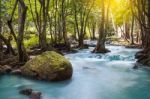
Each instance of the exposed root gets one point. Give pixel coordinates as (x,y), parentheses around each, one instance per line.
(144,56)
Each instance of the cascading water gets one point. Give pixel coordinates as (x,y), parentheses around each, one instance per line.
(96,76)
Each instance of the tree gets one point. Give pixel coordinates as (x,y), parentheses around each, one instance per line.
(63,25)
(23,57)
(40,18)
(100,47)
(132,24)
(82,10)
(1,46)
(143,16)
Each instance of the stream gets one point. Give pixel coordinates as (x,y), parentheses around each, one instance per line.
(96,76)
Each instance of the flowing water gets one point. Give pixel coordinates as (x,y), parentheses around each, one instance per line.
(96,76)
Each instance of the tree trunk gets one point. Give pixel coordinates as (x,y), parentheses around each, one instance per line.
(1,46)
(23,57)
(9,49)
(66,41)
(127,32)
(100,47)
(94,31)
(81,42)
(132,30)
(144,56)
(42,34)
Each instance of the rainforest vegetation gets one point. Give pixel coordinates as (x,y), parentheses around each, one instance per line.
(58,24)
(36,34)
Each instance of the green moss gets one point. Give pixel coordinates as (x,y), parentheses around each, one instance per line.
(33,40)
(46,64)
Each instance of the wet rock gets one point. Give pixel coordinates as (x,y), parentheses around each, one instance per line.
(86,68)
(48,66)
(135,66)
(148,63)
(5,69)
(16,72)
(74,51)
(8,60)
(32,94)
(92,45)
(26,92)
(86,46)
(133,46)
(100,50)
(139,54)
(108,42)
(35,95)
(1,56)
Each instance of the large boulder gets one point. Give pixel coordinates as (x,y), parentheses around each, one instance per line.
(48,66)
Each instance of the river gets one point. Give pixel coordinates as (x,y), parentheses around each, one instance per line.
(96,76)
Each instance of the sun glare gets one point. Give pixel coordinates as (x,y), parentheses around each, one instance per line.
(118,1)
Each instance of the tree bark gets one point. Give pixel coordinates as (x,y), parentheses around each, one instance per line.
(94,31)
(100,47)
(132,30)
(9,49)
(144,56)
(23,57)
(1,46)
(66,40)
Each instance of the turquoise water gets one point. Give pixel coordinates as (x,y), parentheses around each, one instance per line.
(96,76)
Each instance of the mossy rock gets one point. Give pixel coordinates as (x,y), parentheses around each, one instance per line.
(48,66)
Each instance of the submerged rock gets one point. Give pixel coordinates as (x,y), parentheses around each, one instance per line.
(26,92)
(48,66)
(35,95)
(135,66)
(86,68)
(32,94)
